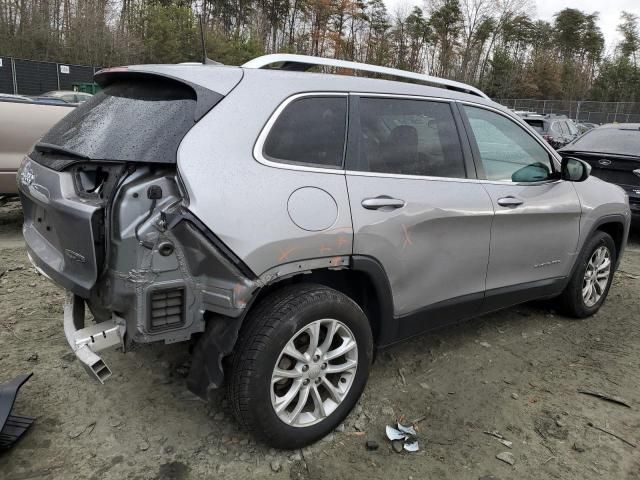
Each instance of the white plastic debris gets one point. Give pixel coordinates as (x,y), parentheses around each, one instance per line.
(394,434)
(411,446)
(407,434)
(407,430)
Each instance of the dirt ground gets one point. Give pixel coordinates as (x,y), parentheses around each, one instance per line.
(516,372)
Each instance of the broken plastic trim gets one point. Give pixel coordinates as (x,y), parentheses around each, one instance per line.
(85,342)
(186,215)
(12,426)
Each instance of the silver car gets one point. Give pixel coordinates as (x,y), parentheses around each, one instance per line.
(290,223)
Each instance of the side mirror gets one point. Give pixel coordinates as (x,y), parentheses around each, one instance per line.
(575,170)
(536,172)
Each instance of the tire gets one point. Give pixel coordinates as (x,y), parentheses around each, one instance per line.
(293,312)
(572,302)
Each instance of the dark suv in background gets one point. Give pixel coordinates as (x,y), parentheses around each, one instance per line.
(613,151)
(557,130)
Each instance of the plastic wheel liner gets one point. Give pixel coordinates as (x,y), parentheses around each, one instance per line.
(12,426)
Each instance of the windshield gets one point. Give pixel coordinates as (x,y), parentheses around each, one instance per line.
(141,120)
(620,140)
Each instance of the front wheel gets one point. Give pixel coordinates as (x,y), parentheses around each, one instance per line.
(592,277)
(301,364)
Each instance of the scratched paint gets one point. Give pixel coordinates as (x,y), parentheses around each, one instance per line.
(407,236)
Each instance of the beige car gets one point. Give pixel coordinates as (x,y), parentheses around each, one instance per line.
(22,123)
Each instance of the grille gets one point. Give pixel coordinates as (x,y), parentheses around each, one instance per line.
(619,177)
(167,309)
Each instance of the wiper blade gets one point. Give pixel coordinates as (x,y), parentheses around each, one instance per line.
(51,148)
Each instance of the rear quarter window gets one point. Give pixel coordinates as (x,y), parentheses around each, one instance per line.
(310,130)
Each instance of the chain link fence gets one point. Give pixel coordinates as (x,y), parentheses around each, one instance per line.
(581,111)
(30,77)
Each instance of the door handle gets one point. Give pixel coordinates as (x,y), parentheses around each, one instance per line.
(382,201)
(509,201)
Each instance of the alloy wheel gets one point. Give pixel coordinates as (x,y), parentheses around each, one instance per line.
(596,276)
(314,372)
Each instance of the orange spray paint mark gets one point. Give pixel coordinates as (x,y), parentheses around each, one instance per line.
(324,249)
(342,241)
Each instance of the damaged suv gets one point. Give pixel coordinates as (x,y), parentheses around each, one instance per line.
(288,224)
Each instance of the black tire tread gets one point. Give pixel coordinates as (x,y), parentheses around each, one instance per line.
(568,302)
(257,333)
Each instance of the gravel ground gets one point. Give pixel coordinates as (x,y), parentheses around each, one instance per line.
(515,372)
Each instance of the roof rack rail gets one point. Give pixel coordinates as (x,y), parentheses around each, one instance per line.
(301,63)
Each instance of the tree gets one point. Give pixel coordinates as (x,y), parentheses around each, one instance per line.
(493,44)
(630,36)
(446,22)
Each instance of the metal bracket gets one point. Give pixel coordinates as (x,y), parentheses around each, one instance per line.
(85,342)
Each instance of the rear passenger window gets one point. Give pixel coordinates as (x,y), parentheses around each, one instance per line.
(407,137)
(310,130)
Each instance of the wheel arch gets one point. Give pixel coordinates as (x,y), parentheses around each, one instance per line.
(364,281)
(615,228)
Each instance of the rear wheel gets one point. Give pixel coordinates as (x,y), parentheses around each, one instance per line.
(592,277)
(300,365)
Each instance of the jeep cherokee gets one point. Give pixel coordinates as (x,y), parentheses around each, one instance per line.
(289,223)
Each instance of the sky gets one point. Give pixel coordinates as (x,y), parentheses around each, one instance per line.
(609,11)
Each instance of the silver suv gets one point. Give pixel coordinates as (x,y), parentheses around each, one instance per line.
(289,223)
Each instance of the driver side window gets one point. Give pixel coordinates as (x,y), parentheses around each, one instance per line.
(507,151)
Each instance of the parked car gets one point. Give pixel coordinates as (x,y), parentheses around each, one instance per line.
(346,214)
(16,98)
(613,152)
(50,100)
(22,122)
(557,130)
(68,96)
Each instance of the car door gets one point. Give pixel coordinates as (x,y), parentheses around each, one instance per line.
(536,226)
(414,208)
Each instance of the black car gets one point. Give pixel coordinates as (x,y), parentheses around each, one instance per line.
(557,130)
(613,151)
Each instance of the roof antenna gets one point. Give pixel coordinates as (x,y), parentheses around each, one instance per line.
(205,60)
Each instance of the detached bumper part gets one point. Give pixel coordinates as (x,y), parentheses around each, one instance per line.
(87,341)
(12,427)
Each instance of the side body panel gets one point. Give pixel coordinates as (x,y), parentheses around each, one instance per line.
(602,202)
(247,203)
(534,237)
(433,249)
(536,240)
